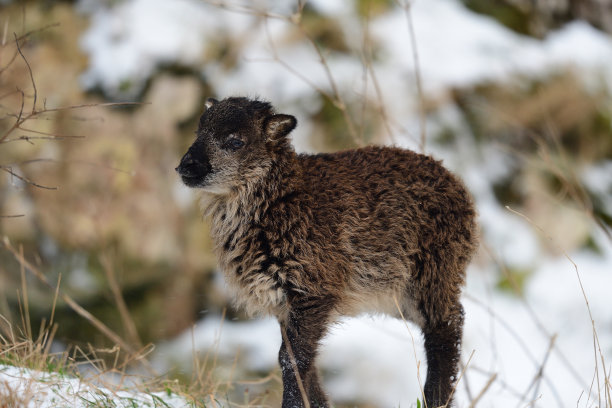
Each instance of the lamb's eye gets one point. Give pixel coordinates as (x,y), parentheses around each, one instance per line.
(233,144)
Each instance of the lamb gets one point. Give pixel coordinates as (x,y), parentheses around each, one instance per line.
(310,238)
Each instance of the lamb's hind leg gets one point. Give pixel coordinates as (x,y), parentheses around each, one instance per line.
(443,348)
(301,332)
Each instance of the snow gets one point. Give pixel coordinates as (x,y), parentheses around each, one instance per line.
(128,42)
(38,389)
(475,48)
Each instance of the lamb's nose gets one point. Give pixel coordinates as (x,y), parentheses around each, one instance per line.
(186,162)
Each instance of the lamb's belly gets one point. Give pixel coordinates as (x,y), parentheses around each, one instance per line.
(368,303)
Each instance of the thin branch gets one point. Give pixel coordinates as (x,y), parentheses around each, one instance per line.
(416,360)
(521,343)
(24,138)
(21,119)
(335,96)
(24,179)
(53,135)
(463,371)
(242,9)
(80,162)
(337,100)
(29,71)
(20,38)
(128,322)
(537,379)
(488,384)
(417,72)
(38,30)
(596,343)
(90,105)
(8,64)
(294,365)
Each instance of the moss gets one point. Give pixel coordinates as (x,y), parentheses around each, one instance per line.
(325,31)
(513,280)
(591,245)
(507,14)
(467,103)
(507,191)
(445,137)
(600,213)
(373,8)
(335,135)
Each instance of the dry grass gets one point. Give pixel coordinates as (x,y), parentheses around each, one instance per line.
(98,382)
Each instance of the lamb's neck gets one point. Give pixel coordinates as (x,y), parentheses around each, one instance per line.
(247,204)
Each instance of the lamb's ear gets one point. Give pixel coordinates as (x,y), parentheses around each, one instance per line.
(280,125)
(210,102)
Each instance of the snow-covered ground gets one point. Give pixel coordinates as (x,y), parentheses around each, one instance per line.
(36,389)
(536,348)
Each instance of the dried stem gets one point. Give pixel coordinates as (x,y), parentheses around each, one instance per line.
(10,171)
(26,265)
(294,365)
(126,318)
(29,71)
(407,6)
(596,344)
(416,360)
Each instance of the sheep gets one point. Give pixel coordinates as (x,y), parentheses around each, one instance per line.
(309,238)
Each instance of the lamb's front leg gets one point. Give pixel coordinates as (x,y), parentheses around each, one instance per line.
(301,332)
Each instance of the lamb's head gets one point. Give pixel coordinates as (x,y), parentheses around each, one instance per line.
(237,141)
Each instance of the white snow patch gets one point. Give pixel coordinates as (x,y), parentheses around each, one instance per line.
(473,48)
(128,42)
(49,390)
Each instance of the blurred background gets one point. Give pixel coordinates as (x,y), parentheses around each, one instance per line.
(100,99)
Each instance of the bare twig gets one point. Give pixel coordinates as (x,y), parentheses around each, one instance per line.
(407,6)
(29,71)
(537,321)
(128,322)
(488,384)
(38,30)
(537,379)
(416,360)
(23,118)
(526,349)
(294,365)
(10,171)
(335,97)
(465,367)
(596,344)
(367,57)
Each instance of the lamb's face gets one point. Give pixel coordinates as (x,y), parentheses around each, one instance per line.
(232,144)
